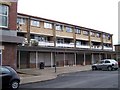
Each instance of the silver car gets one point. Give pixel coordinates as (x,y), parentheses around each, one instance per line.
(106,64)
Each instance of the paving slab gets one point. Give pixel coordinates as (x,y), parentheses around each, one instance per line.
(48,73)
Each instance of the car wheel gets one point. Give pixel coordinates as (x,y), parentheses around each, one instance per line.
(94,68)
(110,68)
(14,85)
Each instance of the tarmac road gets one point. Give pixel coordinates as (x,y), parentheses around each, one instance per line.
(83,79)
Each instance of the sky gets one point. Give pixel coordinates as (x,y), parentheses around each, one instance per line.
(100,15)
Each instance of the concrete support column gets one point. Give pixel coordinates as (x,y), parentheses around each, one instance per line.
(36,55)
(105,55)
(111,56)
(92,58)
(117,57)
(99,56)
(64,59)
(84,59)
(19,59)
(75,58)
(51,59)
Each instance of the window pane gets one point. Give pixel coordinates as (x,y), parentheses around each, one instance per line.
(78,31)
(68,29)
(3,15)
(3,20)
(85,32)
(5,70)
(58,27)
(47,25)
(35,23)
(20,20)
(3,10)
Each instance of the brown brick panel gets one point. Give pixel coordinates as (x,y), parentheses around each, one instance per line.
(12,16)
(9,55)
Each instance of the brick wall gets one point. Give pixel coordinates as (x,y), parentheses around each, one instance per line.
(12,16)
(9,55)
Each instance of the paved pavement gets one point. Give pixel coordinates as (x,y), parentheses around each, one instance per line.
(35,75)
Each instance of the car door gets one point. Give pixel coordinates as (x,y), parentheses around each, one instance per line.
(107,63)
(6,76)
(101,64)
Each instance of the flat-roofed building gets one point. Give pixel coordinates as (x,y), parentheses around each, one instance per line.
(59,43)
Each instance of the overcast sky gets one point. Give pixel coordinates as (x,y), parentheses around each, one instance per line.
(101,15)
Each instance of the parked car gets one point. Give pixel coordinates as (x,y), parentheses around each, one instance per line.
(10,78)
(106,64)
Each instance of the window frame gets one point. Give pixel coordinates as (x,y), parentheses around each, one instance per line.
(60,40)
(22,20)
(83,32)
(78,31)
(35,23)
(92,34)
(69,29)
(48,25)
(3,15)
(98,35)
(60,27)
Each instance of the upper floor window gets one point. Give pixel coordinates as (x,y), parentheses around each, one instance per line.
(60,40)
(41,38)
(35,23)
(58,27)
(108,37)
(69,29)
(20,20)
(104,36)
(92,34)
(48,25)
(3,15)
(78,31)
(98,35)
(85,33)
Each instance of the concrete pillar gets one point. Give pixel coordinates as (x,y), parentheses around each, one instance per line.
(36,56)
(51,59)
(99,56)
(117,57)
(84,59)
(75,58)
(105,55)
(111,56)
(92,58)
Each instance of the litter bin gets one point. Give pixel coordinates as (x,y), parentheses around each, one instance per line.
(41,65)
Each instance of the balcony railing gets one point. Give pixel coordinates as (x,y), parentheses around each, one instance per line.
(107,48)
(46,44)
(82,46)
(96,47)
(65,45)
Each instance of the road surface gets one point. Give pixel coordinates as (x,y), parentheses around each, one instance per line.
(84,79)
